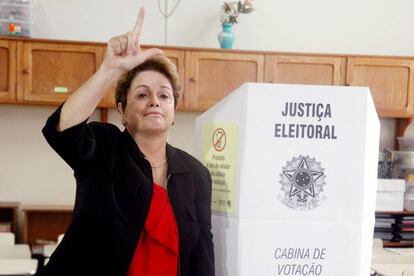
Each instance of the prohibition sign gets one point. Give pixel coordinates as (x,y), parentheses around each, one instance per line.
(219,139)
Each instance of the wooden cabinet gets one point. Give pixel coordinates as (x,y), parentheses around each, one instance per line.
(7,70)
(210,76)
(8,216)
(390,81)
(34,71)
(304,69)
(49,71)
(177,56)
(43,223)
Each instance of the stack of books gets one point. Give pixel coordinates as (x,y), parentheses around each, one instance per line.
(404,228)
(384,227)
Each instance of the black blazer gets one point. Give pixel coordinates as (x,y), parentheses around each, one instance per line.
(113,193)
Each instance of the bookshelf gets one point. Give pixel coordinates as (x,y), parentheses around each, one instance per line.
(398,225)
(8,216)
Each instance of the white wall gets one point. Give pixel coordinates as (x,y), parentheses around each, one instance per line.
(326,26)
(32,173)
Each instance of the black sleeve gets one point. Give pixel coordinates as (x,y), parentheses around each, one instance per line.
(79,146)
(202,259)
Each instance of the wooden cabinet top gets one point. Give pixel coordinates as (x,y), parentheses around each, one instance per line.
(9,205)
(218,50)
(47,208)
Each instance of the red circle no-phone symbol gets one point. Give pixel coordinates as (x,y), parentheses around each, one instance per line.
(219,139)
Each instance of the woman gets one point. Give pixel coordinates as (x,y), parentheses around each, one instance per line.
(142,207)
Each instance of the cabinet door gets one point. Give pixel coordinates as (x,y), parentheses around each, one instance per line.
(7,71)
(390,81)
(49,72)
(213,75)
(44,223)
(296,69)
(177,57)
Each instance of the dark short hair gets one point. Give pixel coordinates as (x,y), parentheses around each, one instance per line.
(160,64)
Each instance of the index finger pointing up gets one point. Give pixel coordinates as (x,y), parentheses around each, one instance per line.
(140,21)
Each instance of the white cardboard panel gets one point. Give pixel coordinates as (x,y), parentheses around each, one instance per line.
(342,159)
(305,166)
(348,162)
(332,248)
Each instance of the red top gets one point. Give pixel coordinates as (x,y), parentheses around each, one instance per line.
(157,250)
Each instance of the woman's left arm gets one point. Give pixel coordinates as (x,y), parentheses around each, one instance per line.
(202,259)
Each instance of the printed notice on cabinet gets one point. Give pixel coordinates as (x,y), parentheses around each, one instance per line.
(219,155)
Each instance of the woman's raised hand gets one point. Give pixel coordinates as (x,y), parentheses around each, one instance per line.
(124,52)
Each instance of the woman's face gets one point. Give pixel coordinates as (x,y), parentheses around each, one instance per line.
(150,104)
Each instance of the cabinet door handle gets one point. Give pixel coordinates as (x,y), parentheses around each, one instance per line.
(26,71)
(192,79)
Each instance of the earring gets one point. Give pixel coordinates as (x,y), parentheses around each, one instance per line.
(124,122)
(173,123)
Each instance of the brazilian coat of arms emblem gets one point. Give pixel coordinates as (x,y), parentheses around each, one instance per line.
(302,181)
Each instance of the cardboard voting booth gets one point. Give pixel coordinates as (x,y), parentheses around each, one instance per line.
(294,179)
